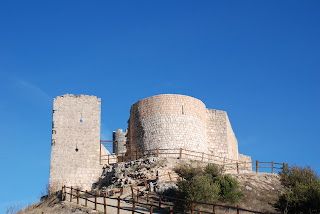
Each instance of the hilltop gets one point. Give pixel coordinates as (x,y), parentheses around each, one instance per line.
(260,190)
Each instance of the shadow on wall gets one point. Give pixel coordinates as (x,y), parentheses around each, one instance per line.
(136,132)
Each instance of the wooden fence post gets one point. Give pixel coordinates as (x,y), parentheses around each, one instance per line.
(160,199)
(133,206)
(157,152)
(118,205)
(171,210)
(104,205)
(95,202)
(169,176)
(180,155)
(192,205)
(86,201)
(136,154)
(132,193)
(62,194)
(71,195)
(272,167)
(238,211)
(108,159)
(65,193)
(100,152)
(257,166)
(122,157)
(148,197)
(214,208)
(146,183)
(138,195)
(151,208)
(77,195)
(202,156)
(237,168)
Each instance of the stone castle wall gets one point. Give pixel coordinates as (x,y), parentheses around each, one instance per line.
(75,141)
(171,121)
(217,133)
(244,158)
(119,146)
(232,141)
(167,121)
(221,139)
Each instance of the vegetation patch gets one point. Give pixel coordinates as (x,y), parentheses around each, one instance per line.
(206,185)
(302,190)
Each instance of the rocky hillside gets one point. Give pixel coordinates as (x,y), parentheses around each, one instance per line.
(53,204)
(260,190)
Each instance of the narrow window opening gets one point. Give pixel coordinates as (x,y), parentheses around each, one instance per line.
(182,110)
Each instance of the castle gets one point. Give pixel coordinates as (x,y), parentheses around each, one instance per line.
(166,121)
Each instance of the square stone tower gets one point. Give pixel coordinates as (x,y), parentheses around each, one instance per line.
(75,146)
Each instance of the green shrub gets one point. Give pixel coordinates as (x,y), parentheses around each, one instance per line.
(188,171)
(206,185)
(229,189)
(200,188)
(302,190)
(213,170)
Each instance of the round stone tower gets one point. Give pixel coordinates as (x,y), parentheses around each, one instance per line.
(119,144)
(168,121)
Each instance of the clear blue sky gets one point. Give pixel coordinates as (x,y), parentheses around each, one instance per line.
(258,60)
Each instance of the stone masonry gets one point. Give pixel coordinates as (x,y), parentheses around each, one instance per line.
(172,121)
(221,139)
(167,121)
(119,138)
(75,141)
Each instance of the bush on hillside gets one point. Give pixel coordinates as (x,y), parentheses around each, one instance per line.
(188,172)
(213,170)
(303,190)
(200,188)
(229,189)
(206,185)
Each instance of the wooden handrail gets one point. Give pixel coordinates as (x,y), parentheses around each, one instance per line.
(187,153)
(149,203)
